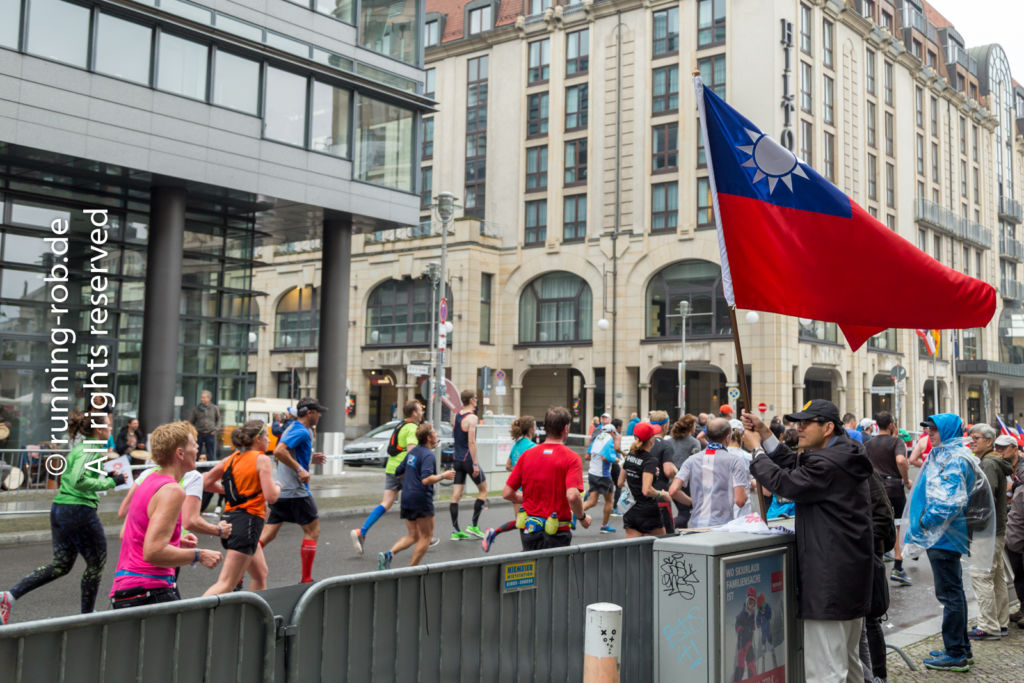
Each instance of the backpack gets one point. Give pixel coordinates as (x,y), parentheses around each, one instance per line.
(393,447)
(978,511)
(231,492)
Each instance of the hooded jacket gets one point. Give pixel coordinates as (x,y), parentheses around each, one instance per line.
(942,491)
(996,471)
(833,524)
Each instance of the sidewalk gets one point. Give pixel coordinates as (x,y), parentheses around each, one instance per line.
(998,661)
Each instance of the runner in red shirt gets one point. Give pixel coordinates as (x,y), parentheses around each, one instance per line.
(551,478)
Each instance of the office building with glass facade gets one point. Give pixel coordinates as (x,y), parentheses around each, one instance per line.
(147,149)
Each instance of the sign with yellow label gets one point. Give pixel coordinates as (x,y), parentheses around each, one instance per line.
(519,576)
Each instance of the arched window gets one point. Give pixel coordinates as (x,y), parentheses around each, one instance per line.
(700,283)
(297,319)
(556,308)
(398,312)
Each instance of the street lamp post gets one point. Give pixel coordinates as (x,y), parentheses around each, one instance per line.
(445,210)
(684,310)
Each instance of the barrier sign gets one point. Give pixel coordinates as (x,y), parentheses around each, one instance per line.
(519,576)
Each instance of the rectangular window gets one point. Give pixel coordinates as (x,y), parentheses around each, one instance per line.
(538,6)
(384,151)
(665,147)
(977,197)
(427,138)
(826,44)
(974,141)
(830,157)
(922,239)
(885,341)
(384,27)
(937,246)
(806,142)
(664,207)
(540,61)
(805,28)
(537,114)
(666,89)
(889,125)
(284,118)
(963,135)
(967,261)
(828,100)
(236,84)
(576,161)
(536,221)
(869,71)
(710,22)
(890,221)
(432,33)
(181,69)
(872,121)
(330,120)
(887,21)
(577,106)
(476,136)
(935,117)
(887,83)
(872,177)
(977,265)
(430,82)
(577,52)
(920,154)
(919,106)
(480,20)
(536,168)
(705,209)
(702,161)
(574,221)
(426,186)
(963,179)
(806,88)
(935,162)
(915,47)
(712,72)
(890,186)
(59,30)
(666,32)
(920,189)
(123,50)
(486,294)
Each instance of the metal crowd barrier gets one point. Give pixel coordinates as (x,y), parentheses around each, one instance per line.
(217,639)
(451,621)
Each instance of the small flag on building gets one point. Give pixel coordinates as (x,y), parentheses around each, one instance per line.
(931,340)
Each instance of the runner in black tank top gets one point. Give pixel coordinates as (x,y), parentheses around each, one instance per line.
(466,464)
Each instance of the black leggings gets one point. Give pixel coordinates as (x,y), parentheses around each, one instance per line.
(76,529)
(876,645)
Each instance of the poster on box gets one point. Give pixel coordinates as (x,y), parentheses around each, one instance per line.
(123,466)
(754,617)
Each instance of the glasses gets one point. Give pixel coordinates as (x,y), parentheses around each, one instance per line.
(802,424)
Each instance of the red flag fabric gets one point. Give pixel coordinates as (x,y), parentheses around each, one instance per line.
(793,243)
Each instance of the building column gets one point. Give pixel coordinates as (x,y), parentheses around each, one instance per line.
(517,400)
(160,319)
(589,400)
(332,354)
(645,400)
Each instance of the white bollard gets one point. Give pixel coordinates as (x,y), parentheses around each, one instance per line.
(603,643)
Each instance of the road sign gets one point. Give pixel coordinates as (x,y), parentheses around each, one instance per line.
(763,407)
(500,390)
(442,336)
(444,310)
(417,370)
(734,394)
(898,372)
(499,375)
(882,390)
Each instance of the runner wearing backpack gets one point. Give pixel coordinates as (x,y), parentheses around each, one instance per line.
(402,439)
(246,479)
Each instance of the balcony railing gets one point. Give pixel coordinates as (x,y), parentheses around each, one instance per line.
(1010,248)
(430,229)
(1011,289)
(1010,210)
(944,220)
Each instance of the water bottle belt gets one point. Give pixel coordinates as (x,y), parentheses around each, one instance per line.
(540,521)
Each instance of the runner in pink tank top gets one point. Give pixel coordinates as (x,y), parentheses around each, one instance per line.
(132,570)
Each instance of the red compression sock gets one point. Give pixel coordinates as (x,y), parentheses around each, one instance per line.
(308,554)
(507,526)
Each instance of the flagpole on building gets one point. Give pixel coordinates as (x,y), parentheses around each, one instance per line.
(745,393)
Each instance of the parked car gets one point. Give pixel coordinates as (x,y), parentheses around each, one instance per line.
(372,447)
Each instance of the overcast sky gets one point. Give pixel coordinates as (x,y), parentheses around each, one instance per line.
(981,22)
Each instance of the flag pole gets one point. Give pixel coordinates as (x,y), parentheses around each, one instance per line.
(745,393)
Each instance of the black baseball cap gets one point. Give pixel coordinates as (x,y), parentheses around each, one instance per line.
(817,409)
(929,422)
(307,404)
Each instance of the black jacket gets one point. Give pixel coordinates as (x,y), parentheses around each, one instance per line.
(121,442)
(883,529)
(833,524)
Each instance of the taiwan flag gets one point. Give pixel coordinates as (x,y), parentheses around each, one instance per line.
(793,243)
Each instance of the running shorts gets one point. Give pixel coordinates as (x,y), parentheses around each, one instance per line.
(464,468)
(299,511)
(245,532)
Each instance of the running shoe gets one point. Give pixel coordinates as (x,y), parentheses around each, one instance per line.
(1004,631)
(384,560)
(475,530)
(940,653)
(357,540)
(946,663)
(434,540)
(6,601)
(900,576)
(888,557)
(616,513)
(488,540)
(977,634)
(459,536)
(605,529)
